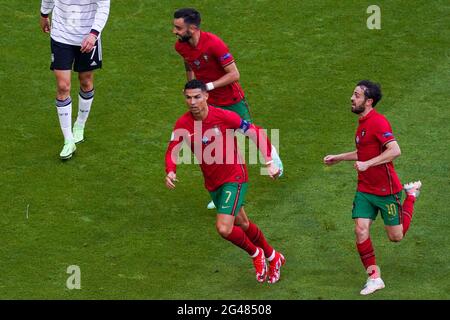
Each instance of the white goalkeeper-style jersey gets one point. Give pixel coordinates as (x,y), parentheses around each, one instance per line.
(72,20)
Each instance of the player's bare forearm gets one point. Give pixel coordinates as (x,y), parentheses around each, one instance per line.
(261,140)
(172,155)
(231,75)
(336,158)
(390,154)
(226,80)
(190,75)
(349,156)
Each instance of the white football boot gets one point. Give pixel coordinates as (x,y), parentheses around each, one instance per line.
(372,285)
(413,188)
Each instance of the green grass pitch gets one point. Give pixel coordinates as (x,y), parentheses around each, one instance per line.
(108,212)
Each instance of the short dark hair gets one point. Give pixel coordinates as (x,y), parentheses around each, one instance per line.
(372,91)
(195,84)
(189,15)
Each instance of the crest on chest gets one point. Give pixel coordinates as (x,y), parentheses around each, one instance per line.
(203,58)
(362,134)
(212,132)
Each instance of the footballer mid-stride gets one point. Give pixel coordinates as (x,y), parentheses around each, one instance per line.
(379,188)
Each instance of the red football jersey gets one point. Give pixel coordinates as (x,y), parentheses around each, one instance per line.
(214,144)
(207,61)
(372,135)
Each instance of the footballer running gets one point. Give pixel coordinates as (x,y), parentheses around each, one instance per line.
(379,188)
(225,180)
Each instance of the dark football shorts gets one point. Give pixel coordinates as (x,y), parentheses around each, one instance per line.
(66,56)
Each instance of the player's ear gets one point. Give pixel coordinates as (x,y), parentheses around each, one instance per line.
(192,28)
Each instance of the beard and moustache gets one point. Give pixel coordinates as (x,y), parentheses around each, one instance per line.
(186,37)
(359,109)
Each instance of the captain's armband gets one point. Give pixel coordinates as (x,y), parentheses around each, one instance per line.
(245,125)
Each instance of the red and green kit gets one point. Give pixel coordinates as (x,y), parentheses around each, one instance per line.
(379,188)
(208,60)
(373,134)
(214,144)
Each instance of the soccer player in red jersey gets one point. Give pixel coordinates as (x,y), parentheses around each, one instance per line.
(379,188)
(209,133)
(208,59)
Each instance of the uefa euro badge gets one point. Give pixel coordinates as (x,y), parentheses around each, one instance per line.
(205,56)
(197,63)
(205,140)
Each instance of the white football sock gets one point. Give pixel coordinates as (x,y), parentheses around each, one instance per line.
(64,109)
(85,100)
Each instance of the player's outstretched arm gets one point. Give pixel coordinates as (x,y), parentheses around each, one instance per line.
(262,141)
(336,158)
(258,137)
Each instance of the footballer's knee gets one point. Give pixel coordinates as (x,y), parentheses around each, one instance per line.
(362,233)
(224,230)
(63,87)
(243,224)
(86,81)
(242,221)
(395,237)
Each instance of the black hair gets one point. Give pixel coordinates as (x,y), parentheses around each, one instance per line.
(189,15)
(372,91)
(195,84)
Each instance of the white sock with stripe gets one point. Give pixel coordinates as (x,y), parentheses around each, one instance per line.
(272,256)
(64,109)
(255,254)
(85,100)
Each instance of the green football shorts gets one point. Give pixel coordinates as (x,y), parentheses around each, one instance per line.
(229,198)
(241,108)
(366,205)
